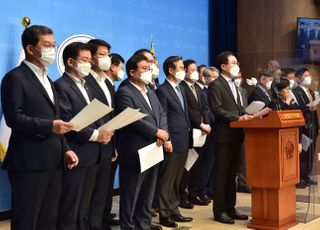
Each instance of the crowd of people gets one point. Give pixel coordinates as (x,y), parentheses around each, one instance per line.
(62,179)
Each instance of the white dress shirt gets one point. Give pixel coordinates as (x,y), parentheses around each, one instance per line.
(42,76)
(103,86)
(232,87)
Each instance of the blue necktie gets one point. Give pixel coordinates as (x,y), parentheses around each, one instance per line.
(180,96)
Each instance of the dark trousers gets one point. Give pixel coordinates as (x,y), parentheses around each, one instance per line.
(108,209)
(190,182)
(307,157)
(100,193)
(242,167)
(226,167)
(171,171)
(207,163)
(35,199)
(136,195)
(77,187)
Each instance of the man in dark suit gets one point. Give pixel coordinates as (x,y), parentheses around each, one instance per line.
(97,80)
(303,96)
(190,186)
(137,189)
(263,91)
(115,73)
(74,94)
(174,102)
(224,101)
(36,147)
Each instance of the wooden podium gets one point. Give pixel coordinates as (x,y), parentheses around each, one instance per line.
(272,164)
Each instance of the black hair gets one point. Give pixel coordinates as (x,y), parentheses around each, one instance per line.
(188,62)
(95,43)
(30,35)
(116,59)
(132,63)
(282,84)
(170,62)
(222,58)
(72,51)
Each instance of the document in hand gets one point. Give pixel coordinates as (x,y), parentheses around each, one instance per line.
(305,142)
(262,113)
(255,107)
(89,114)
(192,158)
(150,156)
(314,103)
(198,138)
(126,117)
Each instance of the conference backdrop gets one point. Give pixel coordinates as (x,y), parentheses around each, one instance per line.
(177,28)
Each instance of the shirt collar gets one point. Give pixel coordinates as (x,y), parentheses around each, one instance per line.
(201,86)
(36,69)
(76,80)
(189,84)
(97,77)
(144,90)
(173,84)
(304,88)
(226,78)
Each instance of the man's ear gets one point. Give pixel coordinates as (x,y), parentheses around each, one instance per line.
(70,63)
(132,72)
(29,50)
(223,67)
(171,71)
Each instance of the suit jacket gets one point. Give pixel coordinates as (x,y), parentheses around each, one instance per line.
(29,113)
(259,95)
(108,149)
(178,118)
(71,103)
(197,113)
(206,106)
(140,133)
(311,117)
(225,110)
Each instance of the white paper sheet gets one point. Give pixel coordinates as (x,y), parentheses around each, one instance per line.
(255,107)
(192,158)
(305,142)
(314,103)
(89,114)
(126,117)
(150,156)
(198,138)
(262,113)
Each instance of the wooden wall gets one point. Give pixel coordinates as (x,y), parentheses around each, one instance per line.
(267,30)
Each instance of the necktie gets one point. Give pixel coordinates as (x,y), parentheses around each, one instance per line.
(180,96)
(309,95)
(194,91)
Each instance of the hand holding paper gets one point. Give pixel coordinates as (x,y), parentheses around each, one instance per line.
(198,138)
(150,156)
(255,107)
(89,114)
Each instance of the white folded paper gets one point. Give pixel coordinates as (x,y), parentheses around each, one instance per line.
(305,142)
(255,107)
(126,117)
(150,156)
(89,114)
(262,113)
(198,138)
(314,103)
(192,158)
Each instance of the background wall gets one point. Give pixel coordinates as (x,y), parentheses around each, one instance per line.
(178,28)
(267,30)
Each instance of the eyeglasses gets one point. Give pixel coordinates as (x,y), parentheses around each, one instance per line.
(234,63)
(48,45)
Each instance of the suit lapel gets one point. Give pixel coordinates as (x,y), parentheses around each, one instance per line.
(140,97)
(33,78)
(111,90)
(227,87)
(74,87)
(174,95)
(93,83)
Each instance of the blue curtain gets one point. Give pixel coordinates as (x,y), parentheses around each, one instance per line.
(222,28)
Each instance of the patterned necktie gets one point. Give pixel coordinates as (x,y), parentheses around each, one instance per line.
(194,91)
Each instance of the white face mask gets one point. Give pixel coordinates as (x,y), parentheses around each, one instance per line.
(104,63)
(48,56)
(146,77)
(120,75)
(83,69)
(237,82)
(307,81)
(234,71)
(268,85)
(292,83)
(155,71)
(180,75)
(194,76)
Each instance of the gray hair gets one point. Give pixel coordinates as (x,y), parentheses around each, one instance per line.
(208,70)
